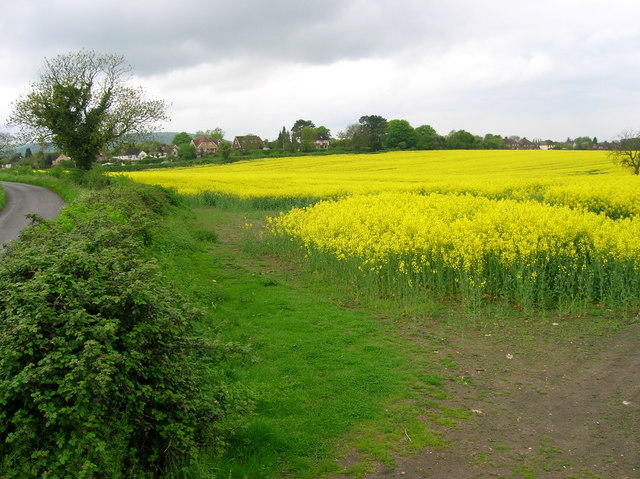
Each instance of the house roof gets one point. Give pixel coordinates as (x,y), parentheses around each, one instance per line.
(199,140)
(132,152)
(249,142)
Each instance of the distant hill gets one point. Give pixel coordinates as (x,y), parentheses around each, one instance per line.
(165,136)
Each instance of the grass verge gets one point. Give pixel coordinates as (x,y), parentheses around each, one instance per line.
(327,378)
(67,190)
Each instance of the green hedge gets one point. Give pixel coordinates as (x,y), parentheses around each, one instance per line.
(97,375)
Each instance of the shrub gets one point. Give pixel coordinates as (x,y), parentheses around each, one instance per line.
(97,375)
(93,178)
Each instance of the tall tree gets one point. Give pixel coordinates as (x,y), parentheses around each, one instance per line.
(82,103)
(428,138)
(284,140)
(400,135)
(296,131)
(224,150)
(308,136)
(187,151)
(7,144)
(461,140)
(181,138)
(492,142)
(323,133)
(626,150)
(583,143)
(376,128)
(355,136)
(217,133)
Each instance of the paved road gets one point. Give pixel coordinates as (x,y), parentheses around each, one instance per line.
(21,200)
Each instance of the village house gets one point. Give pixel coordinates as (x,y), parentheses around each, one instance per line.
(205,145)
(524,144)
(248,142)
(165,151)
(322,144)
(131,155)
(521,144)
(60,159)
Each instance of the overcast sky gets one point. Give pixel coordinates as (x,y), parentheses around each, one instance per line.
(541,69)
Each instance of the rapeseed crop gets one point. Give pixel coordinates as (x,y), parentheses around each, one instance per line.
(536,227)
(533,253)
(495,174)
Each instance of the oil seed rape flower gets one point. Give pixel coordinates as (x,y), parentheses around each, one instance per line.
(504,247)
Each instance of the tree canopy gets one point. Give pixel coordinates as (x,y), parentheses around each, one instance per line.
(461,140)
(400,134)
(6,144)
(181,138)
(626,151)
(375,127)
(82,103)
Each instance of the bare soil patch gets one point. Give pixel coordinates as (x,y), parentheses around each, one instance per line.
(545,403)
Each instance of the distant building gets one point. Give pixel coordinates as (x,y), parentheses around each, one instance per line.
(165,151)
(131,155)
(205,145)
(524,144)
(60,159)
(248,142)
(520,144)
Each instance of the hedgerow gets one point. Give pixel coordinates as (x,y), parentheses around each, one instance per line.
(98,375)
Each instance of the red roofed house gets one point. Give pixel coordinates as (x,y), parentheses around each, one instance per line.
(205,145)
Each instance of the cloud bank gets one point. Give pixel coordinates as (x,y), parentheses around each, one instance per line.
(543,70)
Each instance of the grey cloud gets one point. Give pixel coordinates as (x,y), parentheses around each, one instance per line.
(160,35)
(452,58)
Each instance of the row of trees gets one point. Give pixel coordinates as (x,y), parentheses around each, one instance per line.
(371,133)
(374,133)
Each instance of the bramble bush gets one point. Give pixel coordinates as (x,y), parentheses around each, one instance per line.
(98,374)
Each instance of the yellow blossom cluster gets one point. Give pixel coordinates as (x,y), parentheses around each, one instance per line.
(469,243)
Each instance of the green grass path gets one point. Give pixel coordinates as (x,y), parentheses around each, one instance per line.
(323,374)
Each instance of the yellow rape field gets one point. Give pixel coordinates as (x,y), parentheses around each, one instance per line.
(491,173)
(536,227)
(524,250)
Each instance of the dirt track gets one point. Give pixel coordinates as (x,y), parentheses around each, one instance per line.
(541,409)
